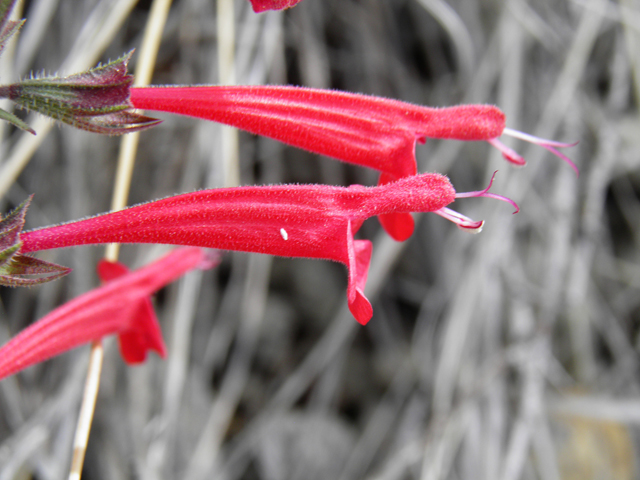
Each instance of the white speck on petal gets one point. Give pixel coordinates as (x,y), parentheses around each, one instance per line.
(284,234)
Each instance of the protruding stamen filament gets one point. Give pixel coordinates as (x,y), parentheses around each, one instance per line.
(537,140)
(550,145)
(509,154)
(463,223)
(487,194)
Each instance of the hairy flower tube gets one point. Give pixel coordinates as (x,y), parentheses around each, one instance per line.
(264,5)
(374,132)
(310,221)
(121,306)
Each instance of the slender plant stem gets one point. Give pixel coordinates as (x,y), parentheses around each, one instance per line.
(227,76)
(126,161)
(207,449)
(143,74)
(85,418)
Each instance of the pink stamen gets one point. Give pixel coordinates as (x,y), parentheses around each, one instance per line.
(550,145)
(509,154)
(485,193)
(463,222)
(537,140)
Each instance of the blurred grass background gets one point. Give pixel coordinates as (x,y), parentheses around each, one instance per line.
(512,354)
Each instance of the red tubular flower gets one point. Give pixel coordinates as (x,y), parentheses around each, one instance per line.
(121,306)
(264,5)
(374,132)
(311,221)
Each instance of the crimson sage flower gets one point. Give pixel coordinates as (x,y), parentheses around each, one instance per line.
(310,221)
(121,306)
(264,5)
(370,131)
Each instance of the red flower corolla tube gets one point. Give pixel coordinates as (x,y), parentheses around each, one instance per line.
(310,221)
(374,132)
(264,5)
(121,306)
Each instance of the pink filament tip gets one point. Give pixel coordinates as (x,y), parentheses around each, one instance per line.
(462,222)
(550,145)
(509,154)
(487,194)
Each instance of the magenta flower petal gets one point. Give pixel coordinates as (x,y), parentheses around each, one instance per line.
(359,257)
(264,5)
(146,334)
(399,226)
(121,307)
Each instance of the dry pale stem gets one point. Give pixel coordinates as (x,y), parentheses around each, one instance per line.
(126,161)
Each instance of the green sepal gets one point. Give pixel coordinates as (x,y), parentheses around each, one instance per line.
(12,119)
(20,268)
(7,27)
(12,225)
(96,100)
(9,31)
(117,123)
(17,270)
(7,253)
